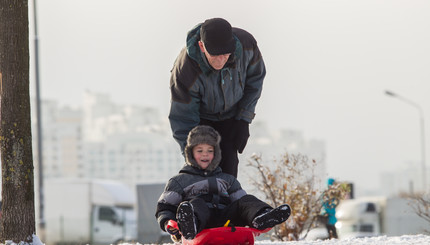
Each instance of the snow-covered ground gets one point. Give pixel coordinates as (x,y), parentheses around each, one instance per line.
(406,239)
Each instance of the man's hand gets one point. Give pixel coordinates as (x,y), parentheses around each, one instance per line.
(242,134)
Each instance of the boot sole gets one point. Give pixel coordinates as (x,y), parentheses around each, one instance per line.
(274,217)
(186,221)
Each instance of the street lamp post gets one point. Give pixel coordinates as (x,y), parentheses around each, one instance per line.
(39,128)
(423,148)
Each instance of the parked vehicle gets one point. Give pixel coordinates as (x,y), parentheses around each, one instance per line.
(374,216)
(92,212)
(149,231)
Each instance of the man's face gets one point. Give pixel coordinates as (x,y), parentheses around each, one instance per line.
(216,61)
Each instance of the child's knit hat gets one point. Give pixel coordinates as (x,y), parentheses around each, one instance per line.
(203,134)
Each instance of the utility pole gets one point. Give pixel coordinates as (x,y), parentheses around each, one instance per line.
(422,127)
(39,127)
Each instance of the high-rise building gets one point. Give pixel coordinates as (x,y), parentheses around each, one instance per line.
(271,145)
(406,179)
(62,141)
(134,144)
(104,140)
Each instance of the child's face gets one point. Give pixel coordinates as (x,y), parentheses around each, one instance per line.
(203,154)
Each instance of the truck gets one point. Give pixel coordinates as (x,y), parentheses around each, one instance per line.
(149,231)
(374,216)
(88,211)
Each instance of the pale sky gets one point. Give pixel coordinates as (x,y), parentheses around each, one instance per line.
(328,65)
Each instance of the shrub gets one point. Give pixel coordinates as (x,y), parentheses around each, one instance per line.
(292,180)
(420,203)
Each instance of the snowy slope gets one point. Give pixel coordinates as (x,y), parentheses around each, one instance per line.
(406,240)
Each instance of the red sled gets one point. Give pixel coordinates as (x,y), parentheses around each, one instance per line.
(223,235)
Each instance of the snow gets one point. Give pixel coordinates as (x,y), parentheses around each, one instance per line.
(36,241)
(406,239)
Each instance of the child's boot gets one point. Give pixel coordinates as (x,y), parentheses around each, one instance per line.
(186,220)
(272,217)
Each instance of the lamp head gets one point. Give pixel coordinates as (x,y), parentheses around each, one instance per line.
(390,93)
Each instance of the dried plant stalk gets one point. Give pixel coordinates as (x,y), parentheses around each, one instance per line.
(292,180)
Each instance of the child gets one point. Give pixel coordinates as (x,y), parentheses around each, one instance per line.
(329,212)
(201,196)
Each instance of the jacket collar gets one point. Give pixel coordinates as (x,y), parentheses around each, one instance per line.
(196,171)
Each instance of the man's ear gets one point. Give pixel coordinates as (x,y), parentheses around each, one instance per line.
(202,47)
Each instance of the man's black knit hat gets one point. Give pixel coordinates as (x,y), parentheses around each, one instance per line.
(217,36)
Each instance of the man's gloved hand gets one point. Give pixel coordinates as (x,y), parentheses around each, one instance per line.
(242,134)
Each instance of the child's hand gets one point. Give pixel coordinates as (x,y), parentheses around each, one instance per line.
(170,229)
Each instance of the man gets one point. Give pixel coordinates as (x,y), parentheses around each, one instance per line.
(217,80)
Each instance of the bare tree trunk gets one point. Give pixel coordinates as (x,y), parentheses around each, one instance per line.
(18,214)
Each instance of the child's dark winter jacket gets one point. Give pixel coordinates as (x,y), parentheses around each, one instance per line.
(192,183)
(216,196)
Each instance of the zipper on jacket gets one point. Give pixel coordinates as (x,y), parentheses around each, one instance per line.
(240,80)
(222,75)
(223,83)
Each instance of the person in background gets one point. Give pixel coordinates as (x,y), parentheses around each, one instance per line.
(329,212)
(217,80)
(202,196)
